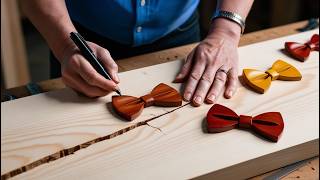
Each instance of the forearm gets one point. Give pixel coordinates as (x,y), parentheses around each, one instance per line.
(231,28)
(52,20)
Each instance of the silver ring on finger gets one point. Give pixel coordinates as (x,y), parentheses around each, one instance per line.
(223,70)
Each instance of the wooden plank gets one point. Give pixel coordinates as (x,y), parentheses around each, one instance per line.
(67,129)
(13,54)
(172,54)
(145,152)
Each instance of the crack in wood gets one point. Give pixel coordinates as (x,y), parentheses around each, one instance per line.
(154,127)
(69,151)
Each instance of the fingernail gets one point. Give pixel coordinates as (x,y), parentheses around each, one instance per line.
(211,98)
(116,77)
(229,93)
(179,76)
(187,96)
(178,79)
(197,99)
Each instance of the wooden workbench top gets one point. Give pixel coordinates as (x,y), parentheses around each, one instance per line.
(310,171)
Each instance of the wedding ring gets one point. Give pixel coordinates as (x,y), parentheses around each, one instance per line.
(223,70)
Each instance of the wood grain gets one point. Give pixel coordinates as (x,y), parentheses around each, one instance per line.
(71,150)
(129,107)
(76,120)
(145,152)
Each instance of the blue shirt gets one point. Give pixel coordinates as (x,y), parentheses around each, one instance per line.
(131,22)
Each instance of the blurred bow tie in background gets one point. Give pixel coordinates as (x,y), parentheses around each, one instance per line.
(302,51)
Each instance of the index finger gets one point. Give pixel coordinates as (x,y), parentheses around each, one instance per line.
(92,77)
(194,77)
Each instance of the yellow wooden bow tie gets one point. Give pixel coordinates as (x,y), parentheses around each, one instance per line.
(260,81)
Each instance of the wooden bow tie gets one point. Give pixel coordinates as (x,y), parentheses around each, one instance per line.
(268,125)
(302,51)
(130,107)
(260,81)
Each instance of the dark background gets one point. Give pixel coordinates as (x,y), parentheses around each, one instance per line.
(267,13)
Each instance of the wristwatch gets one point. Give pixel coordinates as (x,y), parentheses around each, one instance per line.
(230,16)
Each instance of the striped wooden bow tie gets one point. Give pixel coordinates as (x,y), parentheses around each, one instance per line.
(260,81)
(269,125)
(130,107)
(302,51)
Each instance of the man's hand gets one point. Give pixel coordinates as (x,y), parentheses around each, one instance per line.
(209,67)
(51,18)
(78,74)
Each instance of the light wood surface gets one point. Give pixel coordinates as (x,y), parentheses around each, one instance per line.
(172,54)
(53,133)
(180,149)
(13,53)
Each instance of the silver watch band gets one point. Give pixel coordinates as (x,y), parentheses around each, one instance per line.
(231,16)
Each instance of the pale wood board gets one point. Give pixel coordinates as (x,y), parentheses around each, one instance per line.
(40,125)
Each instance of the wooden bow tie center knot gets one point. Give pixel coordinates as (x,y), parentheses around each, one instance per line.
(130,107)
(273,73)
(269,125)
(245,121)
(302,51)
(312,46)
(147,99)
(260,81)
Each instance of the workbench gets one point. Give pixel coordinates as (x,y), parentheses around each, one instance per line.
(309,171)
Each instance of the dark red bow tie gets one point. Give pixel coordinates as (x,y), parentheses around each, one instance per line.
(302,51)
(221,118)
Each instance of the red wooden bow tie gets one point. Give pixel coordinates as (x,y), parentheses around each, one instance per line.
(221,118)
(302,51)
(130,107)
